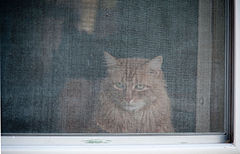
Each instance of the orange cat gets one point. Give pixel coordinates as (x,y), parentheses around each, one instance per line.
(133,97)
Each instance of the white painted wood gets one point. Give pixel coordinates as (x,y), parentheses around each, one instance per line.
(237,77)
(133,149)
(111,140)
(204,66)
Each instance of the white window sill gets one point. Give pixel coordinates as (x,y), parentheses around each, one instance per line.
(117,144)
(117,149)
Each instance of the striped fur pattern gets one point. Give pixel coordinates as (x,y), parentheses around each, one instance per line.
(133,97)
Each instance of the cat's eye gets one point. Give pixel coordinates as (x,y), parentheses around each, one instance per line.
(140,87)
(119,85)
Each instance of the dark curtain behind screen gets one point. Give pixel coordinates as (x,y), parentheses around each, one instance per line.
(44,43)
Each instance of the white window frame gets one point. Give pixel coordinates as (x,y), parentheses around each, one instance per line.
(159,144)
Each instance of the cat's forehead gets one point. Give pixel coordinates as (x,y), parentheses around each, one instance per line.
(131,62)
(130,69)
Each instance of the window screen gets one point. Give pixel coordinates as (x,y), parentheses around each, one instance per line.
(113,66)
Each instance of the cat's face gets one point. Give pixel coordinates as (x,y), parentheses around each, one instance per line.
(133,82)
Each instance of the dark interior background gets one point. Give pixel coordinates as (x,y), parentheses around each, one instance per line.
(41,48)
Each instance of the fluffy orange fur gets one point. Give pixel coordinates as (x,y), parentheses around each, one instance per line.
(133,97)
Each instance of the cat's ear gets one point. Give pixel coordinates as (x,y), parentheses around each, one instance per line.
(155,64)
(110,60)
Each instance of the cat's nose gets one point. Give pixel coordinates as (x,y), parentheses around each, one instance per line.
(128,99)
(128,96)
(131,101)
